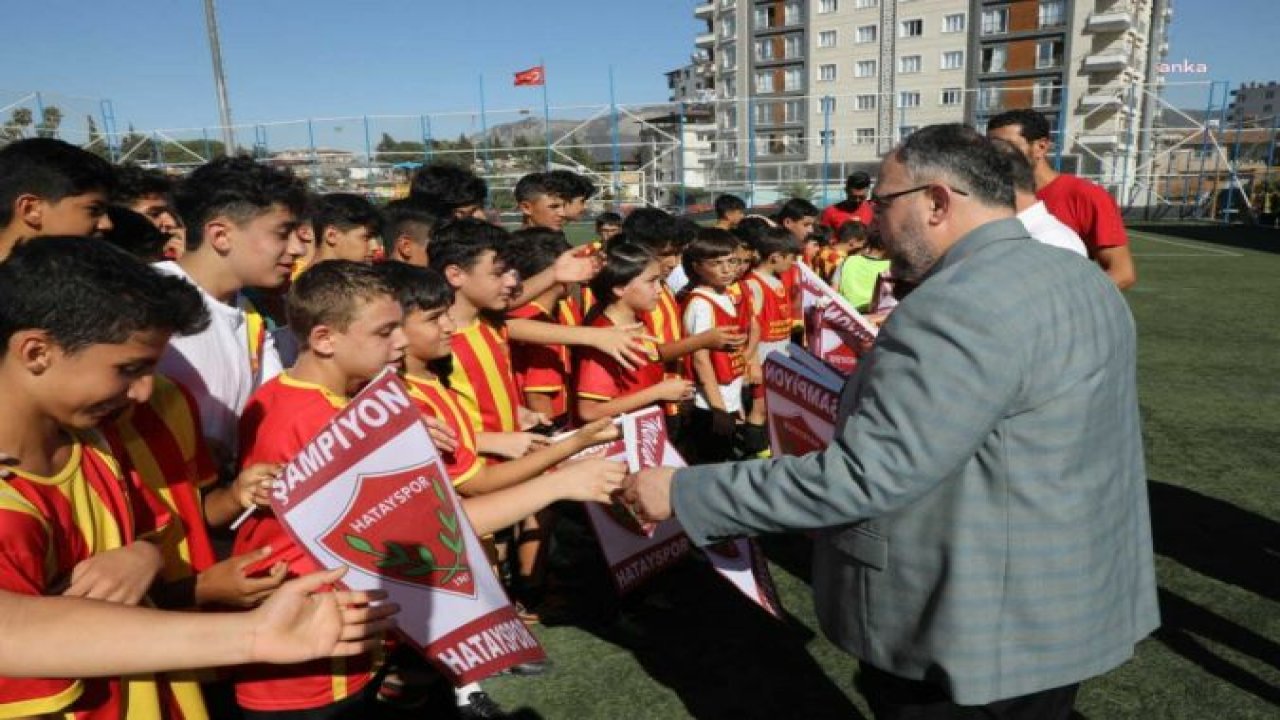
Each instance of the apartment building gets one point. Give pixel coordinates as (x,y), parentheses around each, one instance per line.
(1254,104)
(805,82)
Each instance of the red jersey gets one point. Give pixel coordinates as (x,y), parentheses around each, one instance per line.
(775,313)
(837,215)
(48,525)
(1086,208)
(598,376)
(441,403)
(483,379)
(542,369)
(729,364)
(279,420)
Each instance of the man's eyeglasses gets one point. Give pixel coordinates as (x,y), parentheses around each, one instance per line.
(881,203)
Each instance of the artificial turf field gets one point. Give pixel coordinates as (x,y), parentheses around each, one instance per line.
(1207,306)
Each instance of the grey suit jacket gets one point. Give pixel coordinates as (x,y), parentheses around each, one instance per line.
(984,505)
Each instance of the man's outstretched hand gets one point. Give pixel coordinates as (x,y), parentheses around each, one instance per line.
(301,622)
(648,493)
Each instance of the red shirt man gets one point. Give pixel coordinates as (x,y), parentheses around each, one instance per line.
(853,207)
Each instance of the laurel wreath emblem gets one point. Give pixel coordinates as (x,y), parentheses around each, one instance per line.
(416,560)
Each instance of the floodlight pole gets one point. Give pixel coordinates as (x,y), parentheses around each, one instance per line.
(219,78)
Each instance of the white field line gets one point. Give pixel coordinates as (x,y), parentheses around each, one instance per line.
(1201,250)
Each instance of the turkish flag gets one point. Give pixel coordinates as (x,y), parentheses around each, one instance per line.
(532,76)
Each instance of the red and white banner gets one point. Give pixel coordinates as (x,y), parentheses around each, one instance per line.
(370,492)
(638,551)
(533,76)
(835,332)
(802,403)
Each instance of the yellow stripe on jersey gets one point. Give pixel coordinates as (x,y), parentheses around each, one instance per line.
(40,707)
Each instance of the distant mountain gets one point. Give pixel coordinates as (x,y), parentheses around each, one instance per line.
(597,134)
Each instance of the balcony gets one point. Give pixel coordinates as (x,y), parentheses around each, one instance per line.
(705,40)
(1101,98)
(1107,61)
(1101,139)
(1119,19)
(704,11)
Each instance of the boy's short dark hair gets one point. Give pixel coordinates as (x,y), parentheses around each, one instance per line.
(238,188)
(87,292)
(570,185)
(330,293)
(726,204)
(608,218)
(751,227)
(709,244)
(772,240)
(624,262)
(653,228)
(49,169)
(442,188)
(134,183)
(416,288)
(535,185)
(135,234)
(463,242)
(532,250)
(851,230)
(344,211)
(1032,124)
(857,181)
(410,218)
(796,209)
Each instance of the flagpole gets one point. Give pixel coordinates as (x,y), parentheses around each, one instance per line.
(546,111)
(484,126)
(617,152)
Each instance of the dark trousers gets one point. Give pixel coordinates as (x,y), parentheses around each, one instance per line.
(896,698)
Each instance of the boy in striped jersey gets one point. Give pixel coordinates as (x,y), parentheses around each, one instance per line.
(68,520)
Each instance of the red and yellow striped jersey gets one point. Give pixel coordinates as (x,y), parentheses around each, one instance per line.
(599,377)
(483,379)
(542,369)
(279,420)
(441,403)
(48,525)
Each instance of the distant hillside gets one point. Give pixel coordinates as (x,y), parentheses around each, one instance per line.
(598,133)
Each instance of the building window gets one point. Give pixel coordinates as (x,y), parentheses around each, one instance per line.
(865,102)
(1048,53)
(951,97)
(953,23)
(827,106)
(791,111)
(908,99)
(1052,13)
(827,72)
(793,79)
(728,3)
(791,14)
(911,28)
(993,58)
(728,26)
(864,68)
(1047,94)
(791,46)
(728,57)
(764,17)
(908,64)
(764,82)
(864,4)
(729,88)
(764,114)
(864,136)
(827,138)
(828,6)
(866,34)
(764,49)
(827,39)
(729,118)
(995,21)
(953,60)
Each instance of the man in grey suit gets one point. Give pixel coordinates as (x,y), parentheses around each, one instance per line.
(985,540)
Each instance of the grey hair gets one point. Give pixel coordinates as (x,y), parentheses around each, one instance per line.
(960,155)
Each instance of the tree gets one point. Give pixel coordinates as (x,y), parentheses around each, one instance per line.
(801,190)
(15,128)
(50,119)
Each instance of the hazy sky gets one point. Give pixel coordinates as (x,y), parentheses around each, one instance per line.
(323,58)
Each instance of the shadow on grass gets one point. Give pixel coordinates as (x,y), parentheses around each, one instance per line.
(692,632)
(1216,538)
(1232,545)
(1246,237)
